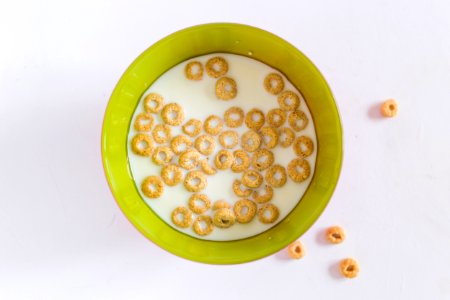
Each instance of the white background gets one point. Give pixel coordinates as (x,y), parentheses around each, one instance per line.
(62,235)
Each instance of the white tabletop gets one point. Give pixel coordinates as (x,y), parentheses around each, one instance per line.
(63,236)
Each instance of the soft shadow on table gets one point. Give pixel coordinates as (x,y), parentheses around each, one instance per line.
(321,238)
(374,111)
(334,272)
(283,255)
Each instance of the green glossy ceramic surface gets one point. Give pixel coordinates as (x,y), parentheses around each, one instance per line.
(236,39)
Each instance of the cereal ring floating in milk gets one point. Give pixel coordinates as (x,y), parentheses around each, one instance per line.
(286,137)
(276,117)
(274,83)
(226,88)
(192,127)
(224,218)
(199,203)
(180,143)
(269,137)
(189,159)
(229,139)
(268,213)
(143,122)
(171,174)
(241,161)
(162,133)
(299,169)
(224,159)
(162,155)
(205,144)
(203,225)
(153,103)
(266,197)
(195,181)
(237,189)
(213,125)
(250,141)
(245,210)
(152,187)
(252,179)
(289,101)
(194,70)
(303,146)
(262,159)
(255,119)
(172,114)
(216,67)
(207,168)
(220,204)
(234,117)
(276,176)
(142,144)
(182,217)
(298,120)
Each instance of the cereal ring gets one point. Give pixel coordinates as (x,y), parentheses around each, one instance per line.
(276,117)
(143,122)
(171,174)
(241,161)
(303,146)
(205,144)
(162,155)
(226,88)
(195,181)
(172,114)
(288,100)
(199,203)
(207,226)
(189,159)
(268,213)
(234,117)
(220,204)
(224,159)
(250,141)
(349,268)
(266,197)
(262,159)
(216,67)
(298,120)
(389,108)
(269,137)
(276,176)
(224,218)
(296,250)
(180,143)
(229,139)
(255,119)
(286,137)
(335,234)
(142,144)
(194,70)
(182,217)
(153,103)
(245,210)
(152,187)
(299,175)
(274,83)
(252,179)
(162,133)
(206,168)
(192,127)
(213,125)
(238,191)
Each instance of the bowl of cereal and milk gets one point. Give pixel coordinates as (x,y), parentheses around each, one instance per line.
(222,143)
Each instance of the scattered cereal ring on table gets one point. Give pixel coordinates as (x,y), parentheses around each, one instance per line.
(216,67)
(226,88)
(189,159)
(250,141)
(241,161)
(262,159)
(255,119)
(207,168)
(192,127)
(172,114)
(199,203)
(220,204)
(252,179)
(269,137)
(162,155)
(298,120)
(203,225)
(349,268)
(142,144)
(234,117)
(224,159)
(276,176)
(245,210)
(162,133)
(171,174)
(152,187)
(229,139)
(237,189)
(205,144)
(143,122)
(296,250)
(224,218)
(213,125)
(335,234)
(289,101)
(303,146)
(195,181)
(180,143)
(389,108)
(268,213)
(299,169)
(194,70)
(153,103)
(276,117)
(274,83)
(182,217)
(286,137)
(266,197)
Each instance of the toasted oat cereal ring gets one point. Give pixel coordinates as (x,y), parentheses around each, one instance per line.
(234,117)
(205,144)
(224,159)
(142,144)
(192,127)
(189,159)
(255,119)
(162,133)
(266,197)
(213,125)
(219,204)
(143,122)
(195,181)
(194,70)
(349,268)
(172,114)
(298,120)
(288,100)
(152,187)
(182,217)
(207,168)
(299,175)
(216,67)
(180,143)
(274,83)
(203,225)
(335,234)
(276,176)
(162,155)
(245,210)
(171,174)
(229,139)
(276,117)
(252,179)
(153,103)
(237,189)
(250,141)
(241,161)
(303,146)
(224,218)
(389,108)
(199,203)
(268,213)
(286,137)
(226,88)
(262,159)
(269,136)
(296,250)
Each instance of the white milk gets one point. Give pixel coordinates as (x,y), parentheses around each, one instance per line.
(199,101)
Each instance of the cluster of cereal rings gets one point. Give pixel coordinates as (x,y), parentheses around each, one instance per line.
(185,158)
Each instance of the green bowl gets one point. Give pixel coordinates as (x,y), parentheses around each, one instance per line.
(236,39)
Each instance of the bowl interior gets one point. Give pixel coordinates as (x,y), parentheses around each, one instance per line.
(241,40)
